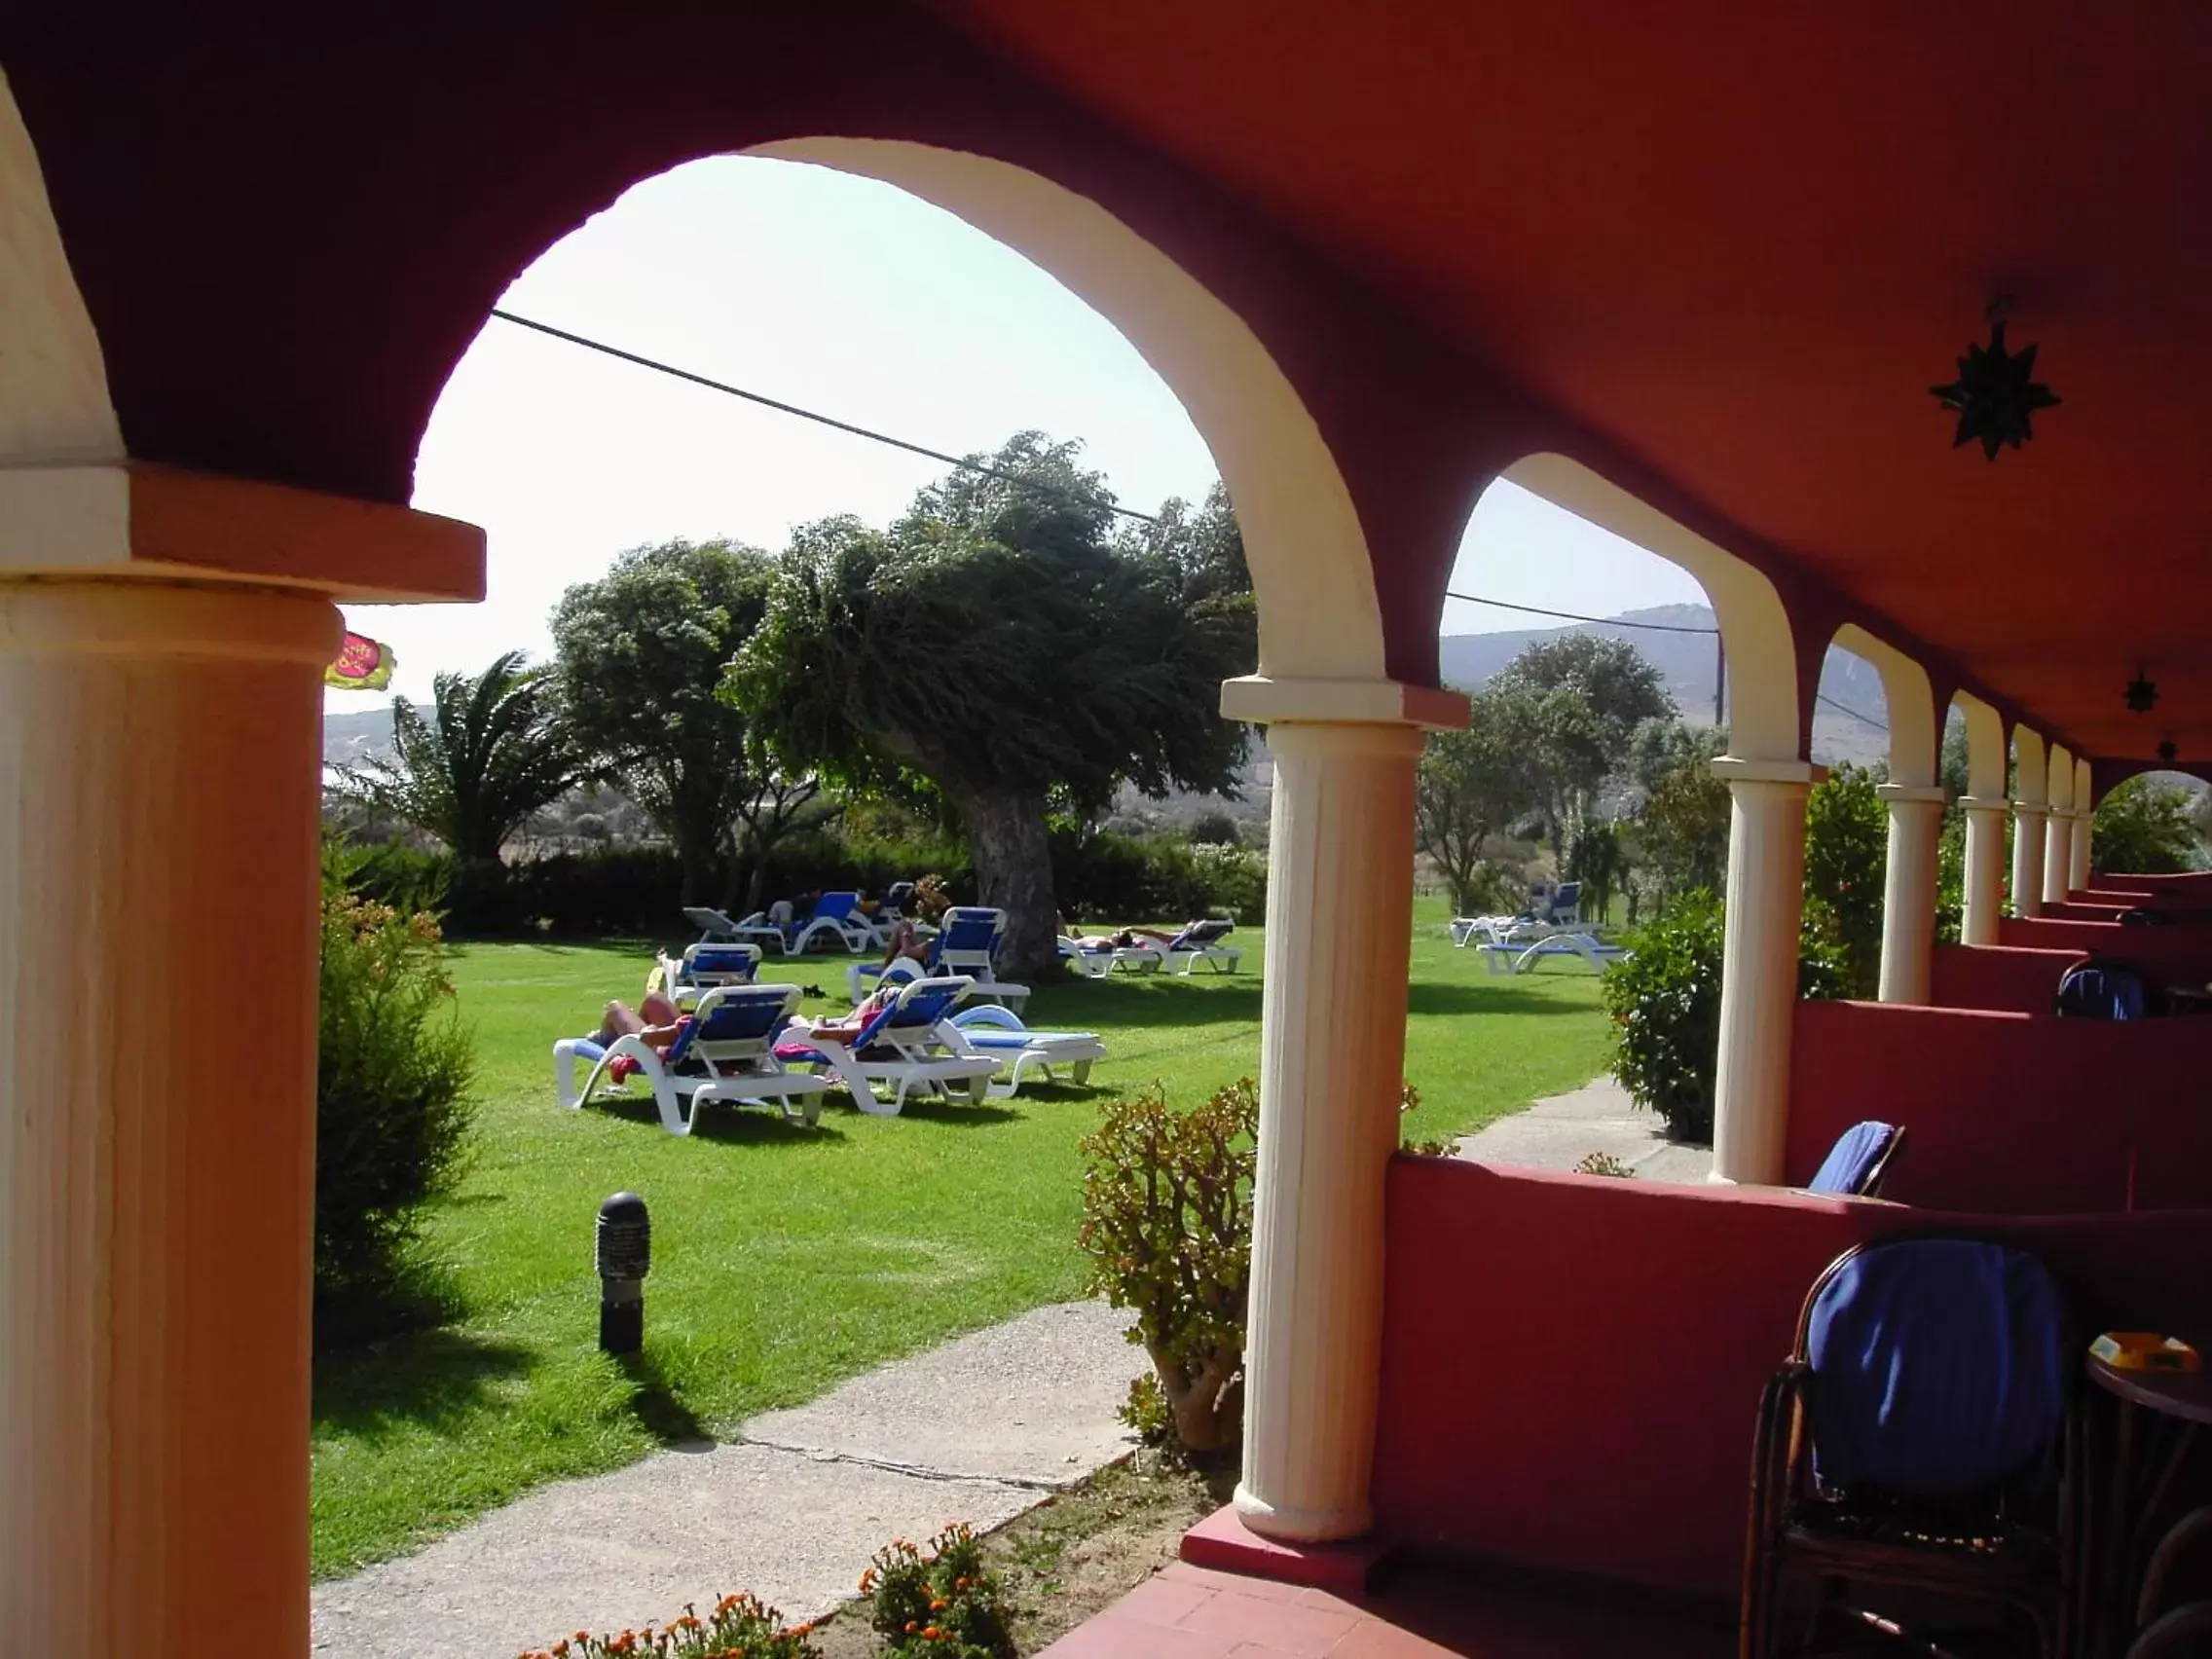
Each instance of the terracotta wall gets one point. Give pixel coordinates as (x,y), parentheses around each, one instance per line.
(2181,952)
(1997,977)
(2006,1113)
(1571,1365)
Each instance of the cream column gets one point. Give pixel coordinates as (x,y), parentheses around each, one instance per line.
(2027,856)
(1985,869)
(160,758)
(1332,1053)
(2059,828)
(1758,981)
(1333,1027)
(2084,820)
(1908,890)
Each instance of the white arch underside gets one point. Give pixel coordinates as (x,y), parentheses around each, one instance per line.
(53,398)
(1909,699)
(1763,654)
(1319,617)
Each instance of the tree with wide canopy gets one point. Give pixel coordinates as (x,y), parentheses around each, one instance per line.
(997,648)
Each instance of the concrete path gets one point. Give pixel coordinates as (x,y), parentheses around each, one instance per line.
(977,1430)
(1599,1117)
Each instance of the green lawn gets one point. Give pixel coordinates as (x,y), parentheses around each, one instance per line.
(787,1259)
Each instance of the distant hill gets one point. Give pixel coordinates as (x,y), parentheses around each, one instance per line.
(355,735)
(1687,662)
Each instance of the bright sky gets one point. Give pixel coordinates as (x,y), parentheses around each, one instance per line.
(849,297)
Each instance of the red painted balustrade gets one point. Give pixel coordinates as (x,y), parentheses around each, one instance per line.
(1997,976)
(2179,953)
(1571,1364)
(2007,1113)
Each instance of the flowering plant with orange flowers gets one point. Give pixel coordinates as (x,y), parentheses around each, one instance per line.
(944,1603)
(741,1627)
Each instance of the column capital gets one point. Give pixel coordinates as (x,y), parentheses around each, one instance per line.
(2032,808)
(1985,804)
(1914,795)
(1800,774)
(44,617)
(1264,699)
(133,520)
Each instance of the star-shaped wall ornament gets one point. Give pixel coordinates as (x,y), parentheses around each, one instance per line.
(2168,752)
(1994,396)
(2142,694)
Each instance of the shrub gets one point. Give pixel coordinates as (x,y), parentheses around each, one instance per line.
(1847,830)
(1214,829)
(391,1106)
(741,1627)
(944,1603)
(2145,827)
(1167,1225)
(1131,878)
(1602,1163)
(1665,1000)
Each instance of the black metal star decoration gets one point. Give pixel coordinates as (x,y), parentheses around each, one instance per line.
(2168,752)
(1994,395)
(2142,692)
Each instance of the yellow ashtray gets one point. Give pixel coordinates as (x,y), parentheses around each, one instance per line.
(2145,1350)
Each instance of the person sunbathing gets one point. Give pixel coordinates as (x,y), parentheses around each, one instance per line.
(847,1028)
(905,943)
(655,1021)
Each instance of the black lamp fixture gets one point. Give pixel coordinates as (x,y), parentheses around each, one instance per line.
(2169,751)
(1995,396)
(2142,691)
(623,1250)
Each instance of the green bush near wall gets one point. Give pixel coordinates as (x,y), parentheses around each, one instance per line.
(1665,1000)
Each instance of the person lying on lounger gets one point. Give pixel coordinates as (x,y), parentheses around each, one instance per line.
(846,1028)
(905,941)
(655,1020)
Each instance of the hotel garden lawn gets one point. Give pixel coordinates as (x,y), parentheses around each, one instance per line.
(786,1260)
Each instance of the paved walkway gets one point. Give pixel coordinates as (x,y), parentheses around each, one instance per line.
(977,1430)
(1599,1117)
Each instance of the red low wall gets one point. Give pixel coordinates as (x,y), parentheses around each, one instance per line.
(1571,1365)
(2007,1113)
(2191,886)
(2178,953)
(1997,976)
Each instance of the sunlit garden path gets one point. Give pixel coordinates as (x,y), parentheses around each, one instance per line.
(786,1260)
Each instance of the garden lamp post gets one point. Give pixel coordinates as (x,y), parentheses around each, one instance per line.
(623,1251)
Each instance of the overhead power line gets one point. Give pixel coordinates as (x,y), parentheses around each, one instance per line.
(961,462)
(1654,627)
(965,464)
(1576,616)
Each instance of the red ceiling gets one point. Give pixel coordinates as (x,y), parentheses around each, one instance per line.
(1741,241)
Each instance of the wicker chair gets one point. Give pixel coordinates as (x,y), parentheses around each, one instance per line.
(1930,1383)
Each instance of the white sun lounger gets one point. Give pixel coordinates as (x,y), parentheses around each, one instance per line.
(910,1043)
(1000,1033)
(1519,958)
(726,1055)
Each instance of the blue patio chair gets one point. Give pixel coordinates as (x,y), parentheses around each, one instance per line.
(684,978)
(2101,990)
(1855,1164)
(1919,1437)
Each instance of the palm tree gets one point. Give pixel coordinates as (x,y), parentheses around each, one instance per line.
(494,750)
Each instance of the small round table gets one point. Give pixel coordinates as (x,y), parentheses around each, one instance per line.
(2151,1405)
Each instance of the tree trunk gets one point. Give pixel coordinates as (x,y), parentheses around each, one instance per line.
(1013,868)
